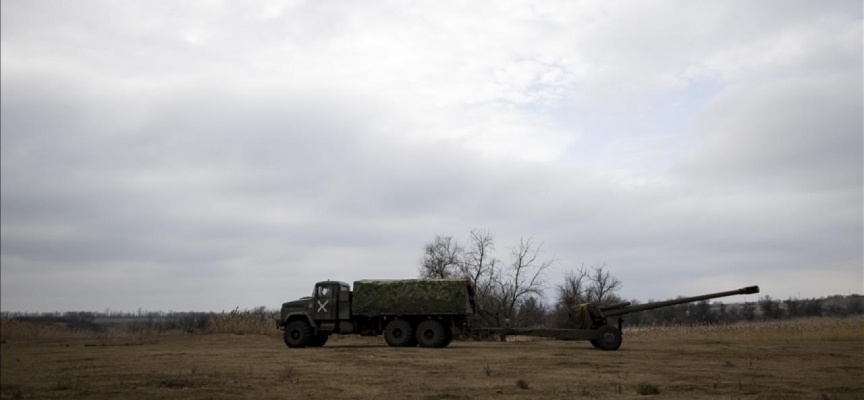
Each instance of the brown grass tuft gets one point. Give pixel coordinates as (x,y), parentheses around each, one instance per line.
(244,323)
(647,389)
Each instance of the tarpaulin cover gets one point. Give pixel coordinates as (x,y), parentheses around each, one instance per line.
(410,296)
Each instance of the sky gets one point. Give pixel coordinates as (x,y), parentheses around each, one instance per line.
(169,155)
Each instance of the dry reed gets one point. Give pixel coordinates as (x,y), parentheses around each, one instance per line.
(818,329)
(244,323)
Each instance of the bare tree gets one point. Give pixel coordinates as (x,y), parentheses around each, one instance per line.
(532,312)
(523,277)
(603,285)
(478,264)
(442,258)
(570,293)
(499,289)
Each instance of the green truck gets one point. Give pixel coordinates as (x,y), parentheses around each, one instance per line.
(408,312)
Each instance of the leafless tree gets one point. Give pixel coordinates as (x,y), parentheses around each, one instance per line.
(478,264)
(499,289)
(532,312)
(522,277)
(603,285)
(442,258)
(570,293)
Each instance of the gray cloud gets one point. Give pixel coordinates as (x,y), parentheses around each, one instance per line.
(152,159)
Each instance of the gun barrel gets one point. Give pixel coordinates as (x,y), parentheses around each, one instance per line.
(668,303)
(607,307)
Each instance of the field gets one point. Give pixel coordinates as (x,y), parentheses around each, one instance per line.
(807,359)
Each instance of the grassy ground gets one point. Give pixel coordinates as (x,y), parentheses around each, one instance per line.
(795,361)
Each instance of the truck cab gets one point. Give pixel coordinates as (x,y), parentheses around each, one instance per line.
(318,315)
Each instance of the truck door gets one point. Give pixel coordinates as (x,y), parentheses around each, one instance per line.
(325,306)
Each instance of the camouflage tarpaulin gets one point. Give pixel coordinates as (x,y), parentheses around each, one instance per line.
(410,296)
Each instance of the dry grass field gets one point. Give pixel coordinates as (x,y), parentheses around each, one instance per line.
(806,359)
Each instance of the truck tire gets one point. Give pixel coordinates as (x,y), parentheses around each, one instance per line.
(448,336)
(318,340)
(399,333)
(298,334)
(430,333)
(608,338)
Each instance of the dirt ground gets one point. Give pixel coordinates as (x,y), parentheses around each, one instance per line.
(252,366)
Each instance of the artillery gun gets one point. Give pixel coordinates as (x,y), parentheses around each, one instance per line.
(592,320)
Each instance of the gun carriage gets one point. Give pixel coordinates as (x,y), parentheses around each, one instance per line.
(592,320)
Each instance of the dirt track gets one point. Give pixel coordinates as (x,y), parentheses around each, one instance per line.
(250,366)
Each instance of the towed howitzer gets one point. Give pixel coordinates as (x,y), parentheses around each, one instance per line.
(594,316)
(592,320)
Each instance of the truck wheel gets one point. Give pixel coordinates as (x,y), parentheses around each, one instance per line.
(608,338)
(430,333)
(318,340)
(448,336)
(298,334)
(399,333)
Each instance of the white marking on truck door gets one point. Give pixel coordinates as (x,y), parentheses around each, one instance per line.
(322,306)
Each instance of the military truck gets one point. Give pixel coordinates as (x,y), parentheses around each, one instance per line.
(407,312)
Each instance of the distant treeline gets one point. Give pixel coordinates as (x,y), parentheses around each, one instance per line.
(109,313)
(144,321)
(766,308)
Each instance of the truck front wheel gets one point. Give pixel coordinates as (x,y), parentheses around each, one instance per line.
(298,334)
(399,333)
(430,333)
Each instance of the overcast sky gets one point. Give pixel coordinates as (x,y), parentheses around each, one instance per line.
(203,156)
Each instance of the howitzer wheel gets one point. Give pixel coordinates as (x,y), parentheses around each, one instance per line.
(430,333)
(608,338)
(400,333)
(298,334)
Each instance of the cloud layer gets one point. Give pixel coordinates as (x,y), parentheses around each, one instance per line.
(204,157)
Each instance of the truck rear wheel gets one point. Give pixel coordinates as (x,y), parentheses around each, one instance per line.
(399,333)
(430,333)
(298,334)
(448,336)
(318,340)
(608,338)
